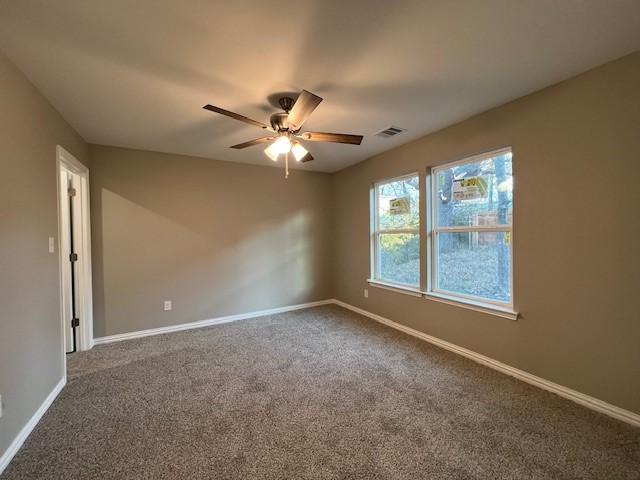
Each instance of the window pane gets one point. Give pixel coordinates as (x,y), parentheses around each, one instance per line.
(476,263)
(399,258)
(478,193)
(398,204)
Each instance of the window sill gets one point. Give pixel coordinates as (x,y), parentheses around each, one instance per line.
(395,287)
(487,308)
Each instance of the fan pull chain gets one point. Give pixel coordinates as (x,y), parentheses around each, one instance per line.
(286,166)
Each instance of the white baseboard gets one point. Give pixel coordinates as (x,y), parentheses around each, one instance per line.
(206,323)
(8,455)
(565,392)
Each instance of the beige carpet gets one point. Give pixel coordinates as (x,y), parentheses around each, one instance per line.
(319,393)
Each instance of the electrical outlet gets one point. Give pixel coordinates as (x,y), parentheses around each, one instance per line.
(167,305)
(52,245)
(366,293)
(0,406)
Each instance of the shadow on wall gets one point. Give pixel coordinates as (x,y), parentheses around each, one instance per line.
(233,261)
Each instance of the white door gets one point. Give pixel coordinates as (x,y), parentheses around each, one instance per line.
(69,244)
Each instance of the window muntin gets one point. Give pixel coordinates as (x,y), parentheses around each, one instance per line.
(472,205)
(396,231)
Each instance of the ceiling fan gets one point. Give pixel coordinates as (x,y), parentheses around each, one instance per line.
(285,129)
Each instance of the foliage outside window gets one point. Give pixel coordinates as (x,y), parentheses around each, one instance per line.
(396,231)
(471,241)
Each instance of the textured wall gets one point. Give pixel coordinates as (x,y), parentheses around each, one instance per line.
(30,327)
(576,147)
(216,238)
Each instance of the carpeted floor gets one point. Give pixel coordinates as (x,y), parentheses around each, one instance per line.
(318,393)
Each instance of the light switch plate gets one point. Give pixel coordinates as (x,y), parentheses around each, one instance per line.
(366,293)
(52,244)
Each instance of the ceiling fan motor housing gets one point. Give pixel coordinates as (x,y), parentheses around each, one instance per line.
(280,121)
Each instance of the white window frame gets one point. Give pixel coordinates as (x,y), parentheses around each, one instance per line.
(433,230)
(376,232)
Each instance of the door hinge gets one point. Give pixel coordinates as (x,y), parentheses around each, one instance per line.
(75,322)
(73,257)
(72,192)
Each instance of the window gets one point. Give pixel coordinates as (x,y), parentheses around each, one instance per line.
(396,231)
(468,240)
(471,229)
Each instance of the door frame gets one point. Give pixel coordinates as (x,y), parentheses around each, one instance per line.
(65,160)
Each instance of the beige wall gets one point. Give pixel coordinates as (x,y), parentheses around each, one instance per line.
(216,238)
(30,327)
(576,152)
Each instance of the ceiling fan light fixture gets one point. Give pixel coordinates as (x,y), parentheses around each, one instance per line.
(272,152)
(298,151)
(282,145)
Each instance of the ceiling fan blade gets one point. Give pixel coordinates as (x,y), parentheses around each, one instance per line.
(237,116)
(307,158)
(332,137)
(306,103)
(251,143)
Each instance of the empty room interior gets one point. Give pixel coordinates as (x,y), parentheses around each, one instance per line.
(324,239)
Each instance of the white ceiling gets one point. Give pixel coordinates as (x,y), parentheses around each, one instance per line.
(137,73)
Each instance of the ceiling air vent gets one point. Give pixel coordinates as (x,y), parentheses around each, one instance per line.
(391,131)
